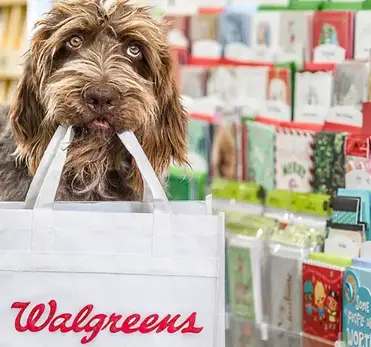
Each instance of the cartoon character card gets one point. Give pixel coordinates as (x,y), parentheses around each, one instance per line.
(322,300)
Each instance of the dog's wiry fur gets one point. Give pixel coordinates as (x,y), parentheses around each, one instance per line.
(52,89)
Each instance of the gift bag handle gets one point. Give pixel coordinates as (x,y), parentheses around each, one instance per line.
(51,181)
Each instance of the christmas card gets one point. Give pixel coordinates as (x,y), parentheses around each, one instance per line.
(350,91)
(294,155)
(313,96)
(332,36)
(296,34)
(279,88)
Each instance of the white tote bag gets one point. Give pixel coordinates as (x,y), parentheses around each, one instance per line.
(109,274)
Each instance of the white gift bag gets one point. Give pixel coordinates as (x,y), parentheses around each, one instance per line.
(109,274)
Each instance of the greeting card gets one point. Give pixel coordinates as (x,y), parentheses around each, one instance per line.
(296,33)
(241,282)
(284,288)
(357,305)
(177,31)
(322,300)
(245,333)
(294,162)
(362,35)
(226,151)
(193,81)
(350,91)
(204,27)
(234,26)
(313,96)
(244,277)
(351,84)
(329,162)
(251,100)
(265,34)
(332,36)
(261,154)
(358,162)
(223,87)
(278,105)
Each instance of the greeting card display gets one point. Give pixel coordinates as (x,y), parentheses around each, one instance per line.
(313,96)
(322,300)
(332,36)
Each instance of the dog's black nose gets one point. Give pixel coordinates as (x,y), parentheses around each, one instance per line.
(101,99)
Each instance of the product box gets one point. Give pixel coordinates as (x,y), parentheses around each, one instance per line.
(332,36)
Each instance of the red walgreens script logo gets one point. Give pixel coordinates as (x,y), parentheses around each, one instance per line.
(92,324)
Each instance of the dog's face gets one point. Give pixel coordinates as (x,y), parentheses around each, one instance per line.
(103,71)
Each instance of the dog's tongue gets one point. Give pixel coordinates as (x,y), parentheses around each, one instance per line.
(100,123)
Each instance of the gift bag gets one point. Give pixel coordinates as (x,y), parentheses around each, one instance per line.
(109,274)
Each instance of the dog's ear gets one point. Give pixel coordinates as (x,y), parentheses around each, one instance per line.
(167,139)
(26,115)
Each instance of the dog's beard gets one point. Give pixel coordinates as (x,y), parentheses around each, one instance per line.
(97,167)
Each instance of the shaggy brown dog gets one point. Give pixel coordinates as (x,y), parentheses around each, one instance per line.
(101,71)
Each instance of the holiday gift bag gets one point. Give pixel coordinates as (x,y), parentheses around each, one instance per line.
(109,274)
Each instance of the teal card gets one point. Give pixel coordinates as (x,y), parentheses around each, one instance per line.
(357,307)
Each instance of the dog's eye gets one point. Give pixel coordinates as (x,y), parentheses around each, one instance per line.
(134,51)
(75,42)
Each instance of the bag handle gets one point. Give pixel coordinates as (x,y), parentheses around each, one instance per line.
(43,167)
(50,184)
